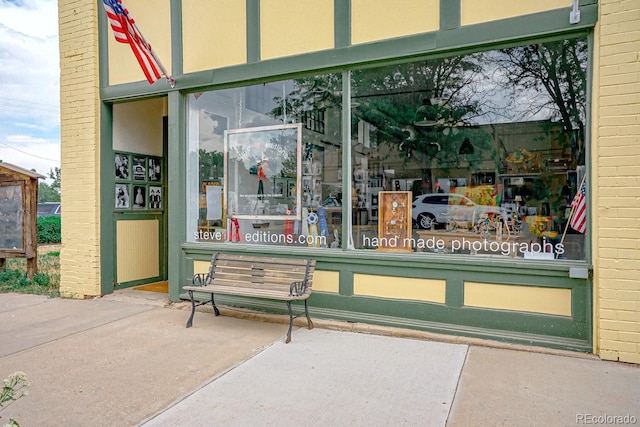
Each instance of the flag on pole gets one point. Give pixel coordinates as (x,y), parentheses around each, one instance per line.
(579,205)
(126,31)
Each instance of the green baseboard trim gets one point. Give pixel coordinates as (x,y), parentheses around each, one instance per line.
(521,338)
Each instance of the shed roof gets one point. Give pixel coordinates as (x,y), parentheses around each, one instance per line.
(17,169)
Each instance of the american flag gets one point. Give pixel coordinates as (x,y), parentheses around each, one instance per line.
(126,31)
(579,205)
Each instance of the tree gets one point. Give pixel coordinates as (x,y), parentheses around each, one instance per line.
(47,194)
(425,110)
(50,192)
(54,175)
(559,69)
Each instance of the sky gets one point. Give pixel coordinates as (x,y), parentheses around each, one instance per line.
(29,84)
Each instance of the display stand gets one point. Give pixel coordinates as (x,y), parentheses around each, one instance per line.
(394,225)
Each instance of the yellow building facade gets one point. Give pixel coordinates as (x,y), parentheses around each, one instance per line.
(589,301)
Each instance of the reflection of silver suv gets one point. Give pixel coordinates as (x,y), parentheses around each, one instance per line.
(429,210)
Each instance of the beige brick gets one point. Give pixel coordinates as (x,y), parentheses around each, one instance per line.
(631,357)
(609,335)
(619,78)
(607,354)
(627,337)
(619,325)
(609,314)
(619,346)
(630,316)
(621,120)
(618,305)
(621,100)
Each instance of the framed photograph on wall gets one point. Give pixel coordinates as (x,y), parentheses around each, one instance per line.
(155,197)
(122,196)
(122,166)
(154,169)
(139,168)
(139,196)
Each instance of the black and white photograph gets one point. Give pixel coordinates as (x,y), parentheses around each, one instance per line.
(139,196)
(122,166)
(155,197)
(122,196)
(139,168)
(154,169)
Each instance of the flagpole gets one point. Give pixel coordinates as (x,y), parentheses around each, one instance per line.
(573,208)
(170,79)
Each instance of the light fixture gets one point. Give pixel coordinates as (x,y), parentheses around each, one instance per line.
(426,113)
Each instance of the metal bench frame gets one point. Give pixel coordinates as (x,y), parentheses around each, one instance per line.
(252,276)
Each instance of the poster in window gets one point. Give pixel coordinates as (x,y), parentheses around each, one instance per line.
(122,166)
(254,159)
(139,196)
(139,168)
(122,196)
(155,197)
(154,169)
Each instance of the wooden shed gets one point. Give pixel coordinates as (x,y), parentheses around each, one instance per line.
(18,215)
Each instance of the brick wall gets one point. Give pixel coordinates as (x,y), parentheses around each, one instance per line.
(616,153)
(79,133)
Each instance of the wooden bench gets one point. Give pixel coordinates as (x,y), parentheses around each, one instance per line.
(281,279)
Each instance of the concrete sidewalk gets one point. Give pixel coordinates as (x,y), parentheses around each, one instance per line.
(127,359)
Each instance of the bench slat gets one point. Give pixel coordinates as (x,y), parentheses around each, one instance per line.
(284,280)
(247,292)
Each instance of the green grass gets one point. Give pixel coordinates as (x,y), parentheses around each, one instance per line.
(45,282)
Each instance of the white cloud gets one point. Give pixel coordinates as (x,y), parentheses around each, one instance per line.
(29,83)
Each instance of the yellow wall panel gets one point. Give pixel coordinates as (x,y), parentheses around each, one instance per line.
(290,27)
(326,281)
(153,18)
(518,298)
(385,19)
(138,249)
(201,267)
(214,34)
(475,12)
(399,288)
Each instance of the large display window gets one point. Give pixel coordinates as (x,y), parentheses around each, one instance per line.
(487,149)
(490,144)
(265,164)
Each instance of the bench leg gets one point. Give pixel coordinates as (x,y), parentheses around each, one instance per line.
(290,322)
(306,311)
(193,310)
(213,303)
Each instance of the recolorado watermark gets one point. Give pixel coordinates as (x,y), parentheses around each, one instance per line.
(605,419)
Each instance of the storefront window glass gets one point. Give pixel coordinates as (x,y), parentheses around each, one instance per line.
(275,169)
(478,154)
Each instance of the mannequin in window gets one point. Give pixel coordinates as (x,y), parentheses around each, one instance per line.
(263,169)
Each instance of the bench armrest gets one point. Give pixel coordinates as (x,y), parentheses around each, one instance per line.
(298,288)
(199,279)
